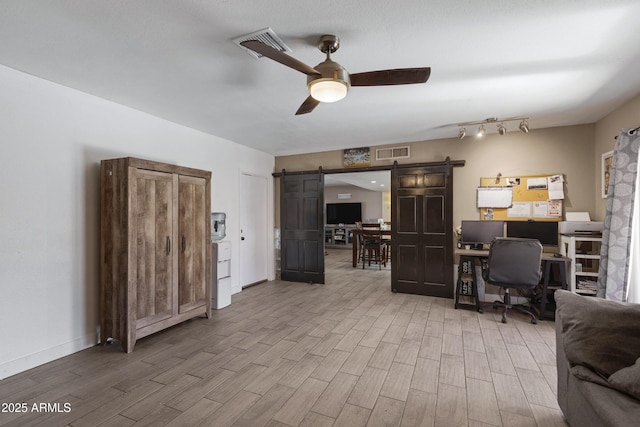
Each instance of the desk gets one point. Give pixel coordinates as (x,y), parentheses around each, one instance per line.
(471,256)
(547,261)
(354,244)
(467,282)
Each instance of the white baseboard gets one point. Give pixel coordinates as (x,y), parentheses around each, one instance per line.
(32,360)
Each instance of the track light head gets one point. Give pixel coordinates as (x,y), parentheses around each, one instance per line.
(499,122)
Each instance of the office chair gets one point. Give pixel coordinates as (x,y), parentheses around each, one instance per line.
(514,264)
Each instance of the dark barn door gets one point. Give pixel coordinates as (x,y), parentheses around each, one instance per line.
(302,227)
(422,230)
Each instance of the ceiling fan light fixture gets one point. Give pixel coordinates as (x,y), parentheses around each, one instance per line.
(502,130)
(481,131)
(524,126)
(328,90)
(462,133)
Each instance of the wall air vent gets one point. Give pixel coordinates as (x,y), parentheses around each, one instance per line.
(266,36)
(393,153)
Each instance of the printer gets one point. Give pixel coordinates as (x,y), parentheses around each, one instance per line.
(580,227)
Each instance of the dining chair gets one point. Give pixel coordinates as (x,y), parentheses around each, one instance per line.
(359,240)
(374,248)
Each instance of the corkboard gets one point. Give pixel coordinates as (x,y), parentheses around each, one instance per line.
(536,199)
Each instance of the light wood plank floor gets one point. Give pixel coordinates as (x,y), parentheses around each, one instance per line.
(347,353)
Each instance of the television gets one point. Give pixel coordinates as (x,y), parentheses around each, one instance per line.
(545,231)
(344,213)
(477,232)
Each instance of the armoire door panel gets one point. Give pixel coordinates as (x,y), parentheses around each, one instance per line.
(200,242)
(192,226)
(154,269)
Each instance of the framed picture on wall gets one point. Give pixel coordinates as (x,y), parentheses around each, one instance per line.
(607,163)
(354,157)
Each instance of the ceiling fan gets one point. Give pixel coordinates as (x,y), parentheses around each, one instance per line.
(329,81)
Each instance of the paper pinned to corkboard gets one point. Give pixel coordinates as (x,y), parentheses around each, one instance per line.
(495,197)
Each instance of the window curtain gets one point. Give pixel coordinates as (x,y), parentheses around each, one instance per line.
(619,272)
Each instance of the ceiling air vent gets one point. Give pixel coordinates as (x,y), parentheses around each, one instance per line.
(392,153)
(266,36)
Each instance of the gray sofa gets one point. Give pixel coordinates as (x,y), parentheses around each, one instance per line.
(598,360)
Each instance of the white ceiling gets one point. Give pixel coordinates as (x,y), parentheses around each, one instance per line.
(558,62)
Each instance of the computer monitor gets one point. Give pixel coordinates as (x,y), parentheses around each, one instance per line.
(545,231)
(478,232)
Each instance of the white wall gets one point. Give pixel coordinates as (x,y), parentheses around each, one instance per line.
(53,139)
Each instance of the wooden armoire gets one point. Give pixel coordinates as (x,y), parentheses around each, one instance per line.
(155,250)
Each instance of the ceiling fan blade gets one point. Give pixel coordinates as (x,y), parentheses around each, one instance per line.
(399,76)
(308,105)
(276,55)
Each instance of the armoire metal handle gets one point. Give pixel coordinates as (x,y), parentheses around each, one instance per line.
(168,245)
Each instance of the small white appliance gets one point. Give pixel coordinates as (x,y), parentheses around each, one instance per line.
(221,281)
(580,227)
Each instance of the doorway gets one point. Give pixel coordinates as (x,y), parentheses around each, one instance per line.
(363,196)
(254,247)
(372,189)
(421,224)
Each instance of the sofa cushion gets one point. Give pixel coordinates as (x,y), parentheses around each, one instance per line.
(627,380)
(587,374)
(600,334)
(611,407)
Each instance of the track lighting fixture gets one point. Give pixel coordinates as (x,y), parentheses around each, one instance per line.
(500,123)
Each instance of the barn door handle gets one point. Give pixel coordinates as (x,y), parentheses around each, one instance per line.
(168,245)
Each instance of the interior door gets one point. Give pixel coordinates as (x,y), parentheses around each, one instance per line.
(193,239)
(254,246)
(422,230)
(302,227)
